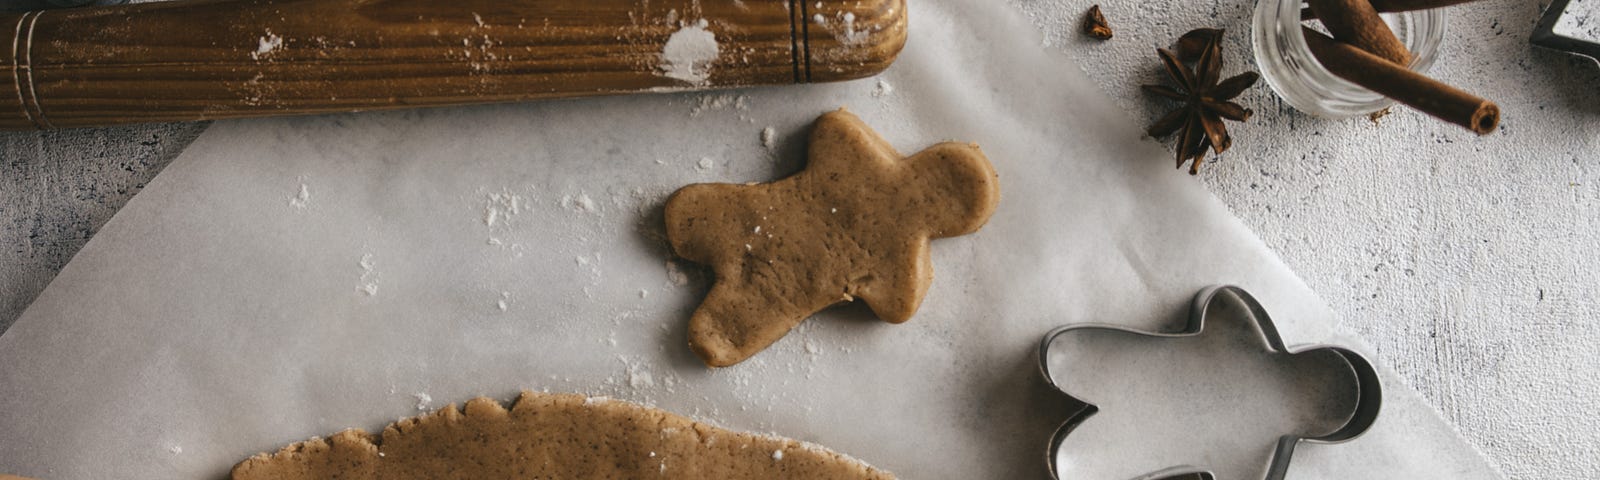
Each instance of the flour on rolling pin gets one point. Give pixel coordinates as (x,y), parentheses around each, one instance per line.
(246,58)
(266,44)
(689,54)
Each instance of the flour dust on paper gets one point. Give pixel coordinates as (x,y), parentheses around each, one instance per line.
(369,275)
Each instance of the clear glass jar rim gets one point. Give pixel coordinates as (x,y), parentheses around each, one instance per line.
(1300,80)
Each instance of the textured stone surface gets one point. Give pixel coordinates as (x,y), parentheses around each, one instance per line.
(1466,261)
(57,188)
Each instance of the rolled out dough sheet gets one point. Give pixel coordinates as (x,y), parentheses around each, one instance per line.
(551,436)
(293,277)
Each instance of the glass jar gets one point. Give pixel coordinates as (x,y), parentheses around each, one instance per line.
(1297,78)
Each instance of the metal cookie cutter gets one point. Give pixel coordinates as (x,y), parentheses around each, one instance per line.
(1544,34)
(1367,400)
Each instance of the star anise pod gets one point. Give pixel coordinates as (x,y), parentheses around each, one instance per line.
(1206,101)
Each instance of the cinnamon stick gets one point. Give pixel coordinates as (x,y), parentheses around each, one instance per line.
(1357,23)
(1431,96)
(1388,6)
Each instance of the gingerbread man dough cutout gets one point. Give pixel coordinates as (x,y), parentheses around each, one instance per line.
(854,224)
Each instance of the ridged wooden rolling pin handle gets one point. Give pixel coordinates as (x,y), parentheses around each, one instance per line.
(210,59)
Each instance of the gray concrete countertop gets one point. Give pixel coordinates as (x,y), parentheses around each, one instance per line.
(1468,262)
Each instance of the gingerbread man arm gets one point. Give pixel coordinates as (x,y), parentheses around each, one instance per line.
(695,228)
(957,189)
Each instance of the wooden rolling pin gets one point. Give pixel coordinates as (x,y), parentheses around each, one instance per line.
(210,59)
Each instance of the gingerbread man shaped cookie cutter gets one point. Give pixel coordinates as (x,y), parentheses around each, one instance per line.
(1545,34)
(1368,396)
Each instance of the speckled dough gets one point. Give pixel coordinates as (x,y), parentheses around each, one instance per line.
(854,224)
(557,436)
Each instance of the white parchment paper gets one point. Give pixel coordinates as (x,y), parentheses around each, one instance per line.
(287,278)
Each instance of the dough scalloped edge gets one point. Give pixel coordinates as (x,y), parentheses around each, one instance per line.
(551,436)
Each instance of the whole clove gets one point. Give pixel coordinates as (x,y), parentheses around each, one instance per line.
(1094,24)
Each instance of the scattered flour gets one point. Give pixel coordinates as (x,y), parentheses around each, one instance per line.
(176,449)
(690,53)
(369,276)
(267,44)
(675,275)
(722,101)
(422,400)
(301,199)
(777,455)
(501,207)
(883,89)
(705,164)
(850,35)
(843,27)
(769,136)
(579,203)
(639,378)
(504,302)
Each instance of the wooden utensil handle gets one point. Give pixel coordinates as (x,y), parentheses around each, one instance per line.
(209,59)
